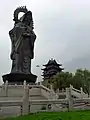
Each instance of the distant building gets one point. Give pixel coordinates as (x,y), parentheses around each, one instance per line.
(51,68)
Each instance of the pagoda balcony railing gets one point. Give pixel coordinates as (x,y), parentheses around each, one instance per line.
(52,66)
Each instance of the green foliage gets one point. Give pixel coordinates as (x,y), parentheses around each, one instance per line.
(81,78)
(75,115)
(62,80)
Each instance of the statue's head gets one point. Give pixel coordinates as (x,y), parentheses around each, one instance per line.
(26,18)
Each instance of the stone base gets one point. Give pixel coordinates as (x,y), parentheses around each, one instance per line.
(18,78)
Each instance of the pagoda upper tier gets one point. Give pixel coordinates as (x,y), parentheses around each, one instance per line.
(51,68)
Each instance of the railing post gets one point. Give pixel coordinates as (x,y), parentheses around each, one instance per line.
(21,107)
(51,87)
(70,100)
(51,95)
(25,99)
(58,90)
(24,83)
(6,88)
(40,82)
(62,89)
(67,93)
(71,87)
(81,92)
(51,92)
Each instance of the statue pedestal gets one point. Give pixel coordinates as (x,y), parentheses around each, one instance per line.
(18,78)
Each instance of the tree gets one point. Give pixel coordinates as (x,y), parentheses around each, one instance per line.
(81,78)
(62,80)
(77,80)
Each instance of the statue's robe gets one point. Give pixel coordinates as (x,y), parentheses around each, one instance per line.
(22,47)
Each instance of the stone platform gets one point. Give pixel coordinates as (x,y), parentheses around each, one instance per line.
(18,78)
(18,92)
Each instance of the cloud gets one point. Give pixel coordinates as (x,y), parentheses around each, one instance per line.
(62,28)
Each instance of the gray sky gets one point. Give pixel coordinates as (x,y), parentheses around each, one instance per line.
(62,28)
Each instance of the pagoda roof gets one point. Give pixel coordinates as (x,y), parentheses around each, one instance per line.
(52,61)
(59,68)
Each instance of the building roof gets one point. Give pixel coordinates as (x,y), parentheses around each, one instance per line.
(52,61)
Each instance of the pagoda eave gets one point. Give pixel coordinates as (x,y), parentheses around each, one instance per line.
(50,68)
(53,64)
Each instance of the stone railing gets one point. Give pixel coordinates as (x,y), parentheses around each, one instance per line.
(22,99)
(78,93)
(74,92)
(17,90)
(50,104)
(48,93)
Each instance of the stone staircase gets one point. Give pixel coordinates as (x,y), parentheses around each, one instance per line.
(15,92)
(39,93)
